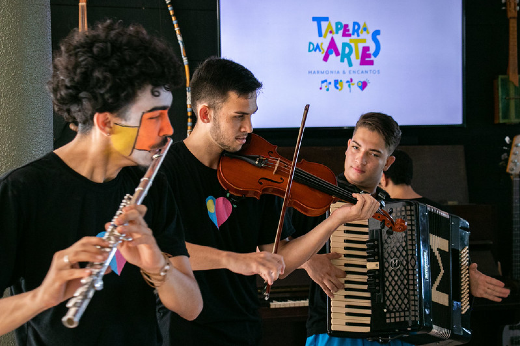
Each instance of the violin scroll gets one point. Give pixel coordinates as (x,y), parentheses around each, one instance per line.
(398,225)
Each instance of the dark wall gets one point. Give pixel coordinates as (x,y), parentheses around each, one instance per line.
(486,47)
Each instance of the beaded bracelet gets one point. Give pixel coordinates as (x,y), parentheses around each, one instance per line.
(155,280)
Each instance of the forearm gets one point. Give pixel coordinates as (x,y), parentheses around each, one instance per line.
(206,258)
(305,265)
(180,292)
(297,251)
(263,263)
(18,309)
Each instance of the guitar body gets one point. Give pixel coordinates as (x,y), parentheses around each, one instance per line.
(513,168)
(511,335)
(507,101)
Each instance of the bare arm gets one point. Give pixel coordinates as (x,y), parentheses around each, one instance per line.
(16,310)
(298,251)
(321,270)
(180,292)
(267,265)
(61,281)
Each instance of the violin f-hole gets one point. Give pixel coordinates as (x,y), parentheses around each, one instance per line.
(281,181)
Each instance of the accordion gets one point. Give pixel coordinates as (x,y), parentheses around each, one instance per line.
(412,285)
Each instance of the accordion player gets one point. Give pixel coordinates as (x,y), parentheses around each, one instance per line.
(411,285)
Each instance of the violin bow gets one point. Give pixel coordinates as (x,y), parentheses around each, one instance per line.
(186,67)
(286,197)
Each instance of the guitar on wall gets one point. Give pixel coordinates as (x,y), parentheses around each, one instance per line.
(511,333)
(507,93)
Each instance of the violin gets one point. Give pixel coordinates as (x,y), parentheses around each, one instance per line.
(258,168)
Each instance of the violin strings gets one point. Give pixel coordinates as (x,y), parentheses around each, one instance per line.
(315,182)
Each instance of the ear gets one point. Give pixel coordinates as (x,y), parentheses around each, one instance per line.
(204,113)
(389,162)
(103,122)
(383,182)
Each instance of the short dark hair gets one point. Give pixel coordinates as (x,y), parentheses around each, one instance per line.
(104,68)
(401,171)
(385,125)
(216,77)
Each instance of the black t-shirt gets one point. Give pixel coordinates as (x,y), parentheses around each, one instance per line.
(46,207)
(216,219)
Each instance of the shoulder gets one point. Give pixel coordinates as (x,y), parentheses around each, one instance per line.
(177,156)
(181,166)
(22,186)
(38,169)
(178,151)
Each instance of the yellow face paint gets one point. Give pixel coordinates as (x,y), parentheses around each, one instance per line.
(123,138)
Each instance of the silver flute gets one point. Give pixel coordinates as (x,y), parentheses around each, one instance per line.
(94,282)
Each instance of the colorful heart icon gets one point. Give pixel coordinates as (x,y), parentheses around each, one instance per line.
(118,261)
(219,209)
(362,85)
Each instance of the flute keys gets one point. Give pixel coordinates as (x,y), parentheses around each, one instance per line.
(98,285)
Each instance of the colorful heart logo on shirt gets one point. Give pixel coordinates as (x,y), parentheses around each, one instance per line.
(118,261)
(218,209)
(362,85)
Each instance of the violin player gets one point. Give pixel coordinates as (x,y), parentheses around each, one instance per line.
(114,81)
(222,231)
(369,156)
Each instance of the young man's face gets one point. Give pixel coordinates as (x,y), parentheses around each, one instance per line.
(232,122)
(145,127)
(366,158)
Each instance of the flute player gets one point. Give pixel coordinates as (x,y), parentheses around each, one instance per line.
(114,82)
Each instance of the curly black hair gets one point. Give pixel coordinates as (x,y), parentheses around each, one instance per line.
(104,68)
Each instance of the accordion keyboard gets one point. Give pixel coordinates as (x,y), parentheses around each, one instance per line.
(351,307)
